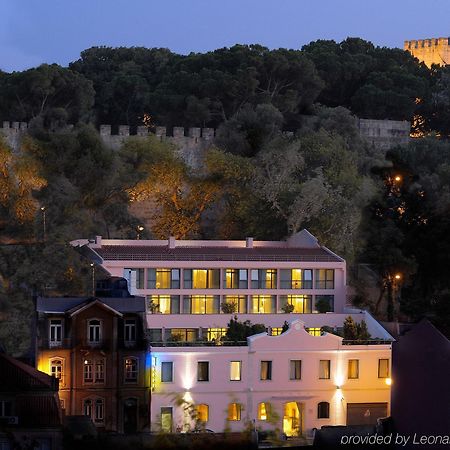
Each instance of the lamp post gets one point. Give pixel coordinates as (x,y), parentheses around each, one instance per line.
(44,211)
(139,230)
(93,278)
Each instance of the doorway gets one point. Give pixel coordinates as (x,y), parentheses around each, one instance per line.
(166,419)
(292,419)
(130,420)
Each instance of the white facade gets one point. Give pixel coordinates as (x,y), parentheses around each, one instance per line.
(189,283)
(300,396)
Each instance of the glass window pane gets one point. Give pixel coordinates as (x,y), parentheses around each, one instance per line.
(166,372)
(296,369)
(235,370)
(324,369)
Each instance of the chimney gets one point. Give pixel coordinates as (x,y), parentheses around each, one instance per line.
(172,242)
(249,242)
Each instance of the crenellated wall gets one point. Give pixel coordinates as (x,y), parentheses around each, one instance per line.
(430,51)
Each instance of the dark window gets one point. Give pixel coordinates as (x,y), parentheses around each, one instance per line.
(324,369)
(324,303)
(55,332)
(5,408)
(203,371)
(324,278)
(94,331)
(263,278)
(295,369)
(323,410)
(130,330)
(131,369)
(167,372)
(266,370)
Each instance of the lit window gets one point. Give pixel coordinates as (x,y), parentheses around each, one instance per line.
(203,304)
(55,332)
(383,368)
(130,330)
(216,334)
(236,279)
(88,371)
(295,369)
(324,369)
(314,331)
(202,411)
(234,411)
(263,304)
(94,331)
(263,278)
(353,368)
(296,278)
(239,302)
(324,278)
(56,368)
(263,411)
(131,370)
(266,370)
(301,303)
(276,331)
(323,410)
(167,372)
(203,371)
(201,278)
(235,370)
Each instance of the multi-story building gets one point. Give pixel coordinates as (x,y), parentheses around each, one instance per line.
(96,349)
(194,288)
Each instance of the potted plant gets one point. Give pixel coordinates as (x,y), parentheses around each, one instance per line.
(228,308)
(288,308)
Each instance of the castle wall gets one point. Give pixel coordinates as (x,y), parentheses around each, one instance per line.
(430,51)
(384,134)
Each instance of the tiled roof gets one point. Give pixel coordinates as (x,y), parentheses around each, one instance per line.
(155,253)
(38,410)
(65,304)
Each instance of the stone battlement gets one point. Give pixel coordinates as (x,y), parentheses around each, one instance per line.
(430,51)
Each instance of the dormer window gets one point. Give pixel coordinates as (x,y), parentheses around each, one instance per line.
(55,332)
(94,331)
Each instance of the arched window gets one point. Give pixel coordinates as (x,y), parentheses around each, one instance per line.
(99,410)
(56,368)
(95,409)
(88,371)
(323,410)
(87,407)
(94,331)
(131,369)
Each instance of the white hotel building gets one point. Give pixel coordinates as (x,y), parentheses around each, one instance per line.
(295,381)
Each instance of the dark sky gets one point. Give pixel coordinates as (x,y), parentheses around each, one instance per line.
(37,31)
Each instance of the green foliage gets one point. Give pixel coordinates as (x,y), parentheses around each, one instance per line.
(353,331)
(239,331)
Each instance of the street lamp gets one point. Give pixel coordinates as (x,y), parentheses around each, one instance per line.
(44,210)
(93,278)
(398,178)
(139,230)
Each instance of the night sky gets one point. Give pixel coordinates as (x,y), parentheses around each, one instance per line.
(37,31)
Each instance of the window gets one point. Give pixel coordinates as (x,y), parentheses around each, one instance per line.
(266,370)
(202,304)
(234,412)
(263,278)
(56,368)
(324,303)
(276,331)
(201,278)
(263,409)
(240,302)
(296,278)
(324,278)
(181,334)
(235,370)
(55,332)
(5,408)
(203,371)
(134,277)
(353,369)
(167,372)
(324,369)
(94,409)
(94,331)
(263,304)
(87,372)
(131,370)
(383,368)
(216,334)
(314,331)
(130,330)
(164,304)
(100,371)
(301,303)
(202,411)
(323,410)
(235,279)
(163,278)
(295,369)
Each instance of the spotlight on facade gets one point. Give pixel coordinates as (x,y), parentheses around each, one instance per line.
(388,381)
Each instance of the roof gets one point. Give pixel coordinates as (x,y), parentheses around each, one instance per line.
(202,253)
(18,376)
(62,305)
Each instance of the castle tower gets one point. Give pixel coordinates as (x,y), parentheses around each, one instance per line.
(430,51)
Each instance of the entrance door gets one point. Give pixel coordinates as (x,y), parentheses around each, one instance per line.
(365,413)
(166,419)
(291,419)
(130,415)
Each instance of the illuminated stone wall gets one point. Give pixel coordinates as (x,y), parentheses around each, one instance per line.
(430,51)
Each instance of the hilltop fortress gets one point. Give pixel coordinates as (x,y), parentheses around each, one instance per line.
(192,143)
(430,51)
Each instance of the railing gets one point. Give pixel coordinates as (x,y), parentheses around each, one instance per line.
(367,342)
(198,344)
(173,257)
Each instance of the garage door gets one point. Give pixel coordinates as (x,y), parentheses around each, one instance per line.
(365,413)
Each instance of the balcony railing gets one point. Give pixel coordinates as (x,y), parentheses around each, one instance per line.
(198,344)
(367,342)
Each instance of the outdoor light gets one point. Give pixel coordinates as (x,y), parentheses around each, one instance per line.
(139,230)
(388,381)
(398,178)
(398,276)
